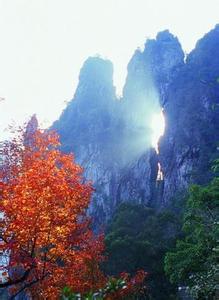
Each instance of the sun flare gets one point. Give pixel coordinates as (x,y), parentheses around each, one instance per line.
(158,127)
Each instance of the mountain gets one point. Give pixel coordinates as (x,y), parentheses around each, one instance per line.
(191,139)
(111,137)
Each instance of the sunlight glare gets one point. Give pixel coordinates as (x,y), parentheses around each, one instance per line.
(158,127)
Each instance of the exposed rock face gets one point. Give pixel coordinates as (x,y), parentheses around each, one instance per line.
(192,119)
(88,117)
(138,180)
(113,152)
(86,127)
(111,137)
(150,72)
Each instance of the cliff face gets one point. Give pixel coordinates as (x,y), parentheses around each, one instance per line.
(86,128)
(190,143)
(95,129)
(111,137)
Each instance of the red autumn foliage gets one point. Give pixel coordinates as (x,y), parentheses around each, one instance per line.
(133,286)
(44,229)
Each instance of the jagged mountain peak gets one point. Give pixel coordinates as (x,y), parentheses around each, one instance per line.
(30,128)
(95,87)
(111,139)
(165,36)
(151,71)
(95,92)
(88,116)
(210,37)
(165,53)
(97,69)
(206,51)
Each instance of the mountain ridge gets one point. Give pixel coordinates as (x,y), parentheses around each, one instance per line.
(111,137)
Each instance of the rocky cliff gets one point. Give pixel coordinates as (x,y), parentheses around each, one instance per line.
(111,137)
(190,143)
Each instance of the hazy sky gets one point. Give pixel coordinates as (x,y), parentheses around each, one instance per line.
(43,44)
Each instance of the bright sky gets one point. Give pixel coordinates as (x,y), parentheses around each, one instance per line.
(44,44)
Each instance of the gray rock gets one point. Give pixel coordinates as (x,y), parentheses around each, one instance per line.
(110,137)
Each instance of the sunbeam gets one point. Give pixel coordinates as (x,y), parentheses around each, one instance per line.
(158,127)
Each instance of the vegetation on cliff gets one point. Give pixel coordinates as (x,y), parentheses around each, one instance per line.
(194,261)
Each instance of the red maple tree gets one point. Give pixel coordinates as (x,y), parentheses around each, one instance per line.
(44,229)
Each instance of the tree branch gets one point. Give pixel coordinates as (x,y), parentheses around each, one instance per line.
(15,281)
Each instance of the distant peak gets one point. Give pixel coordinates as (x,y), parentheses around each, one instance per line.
(32,124)
(96,67)
(165,36)
(31,128)
(163,39)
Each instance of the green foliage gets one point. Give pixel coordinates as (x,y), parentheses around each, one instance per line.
(69,295)
(194,262)
(138,238)
(113,285)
